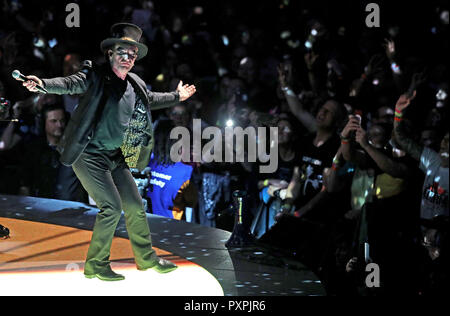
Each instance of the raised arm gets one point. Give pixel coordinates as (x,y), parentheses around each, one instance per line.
(407,144)
(78,83)
(295,106)
(391,54)
(164,100)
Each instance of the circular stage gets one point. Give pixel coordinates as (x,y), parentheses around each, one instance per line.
(49,240)
(46,259)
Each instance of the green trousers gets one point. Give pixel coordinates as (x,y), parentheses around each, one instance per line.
(108,180)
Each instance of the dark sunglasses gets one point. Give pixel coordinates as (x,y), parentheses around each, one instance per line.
(123,52)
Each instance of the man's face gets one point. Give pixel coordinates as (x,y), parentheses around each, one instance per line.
(55,123)
(326,116)
(284,132)
(444,151)
(377,136)
(123,57)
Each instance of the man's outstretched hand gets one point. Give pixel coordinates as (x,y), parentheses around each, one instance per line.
(31,83)
(185,91)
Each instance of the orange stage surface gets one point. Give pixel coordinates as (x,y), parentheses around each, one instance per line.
(45,259)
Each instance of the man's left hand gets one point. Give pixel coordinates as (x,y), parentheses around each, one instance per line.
(185,91)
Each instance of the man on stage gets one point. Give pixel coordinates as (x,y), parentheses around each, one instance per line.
(109,132)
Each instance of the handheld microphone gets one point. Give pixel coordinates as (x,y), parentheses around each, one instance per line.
(17,75)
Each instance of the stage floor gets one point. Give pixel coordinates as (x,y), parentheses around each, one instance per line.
(50,238)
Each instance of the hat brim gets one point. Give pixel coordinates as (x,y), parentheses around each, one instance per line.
(142,48)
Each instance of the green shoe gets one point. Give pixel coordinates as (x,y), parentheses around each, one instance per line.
(160,265)
(106,276)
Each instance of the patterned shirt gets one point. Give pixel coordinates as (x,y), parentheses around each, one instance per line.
(135,135)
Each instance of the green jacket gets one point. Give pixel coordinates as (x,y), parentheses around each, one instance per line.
(89,82)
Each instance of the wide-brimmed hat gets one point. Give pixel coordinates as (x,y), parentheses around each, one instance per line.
(125,33)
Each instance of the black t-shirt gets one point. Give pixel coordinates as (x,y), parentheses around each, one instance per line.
(115,116)
(312,161)
(284,170)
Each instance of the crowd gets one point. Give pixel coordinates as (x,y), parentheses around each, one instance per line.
(362,172)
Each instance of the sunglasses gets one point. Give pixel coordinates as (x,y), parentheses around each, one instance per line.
(130,54)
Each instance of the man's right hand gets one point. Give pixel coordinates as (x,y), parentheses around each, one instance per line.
(403,101)
(352,125)
(31,83)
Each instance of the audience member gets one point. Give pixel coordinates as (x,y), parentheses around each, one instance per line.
(43,175)
(171,189)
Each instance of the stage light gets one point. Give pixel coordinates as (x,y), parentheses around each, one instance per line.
(225,40)
(441,95)
(285,34)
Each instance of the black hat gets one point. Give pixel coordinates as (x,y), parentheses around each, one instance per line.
(125,33)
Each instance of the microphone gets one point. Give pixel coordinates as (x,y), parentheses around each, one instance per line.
(17,75)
